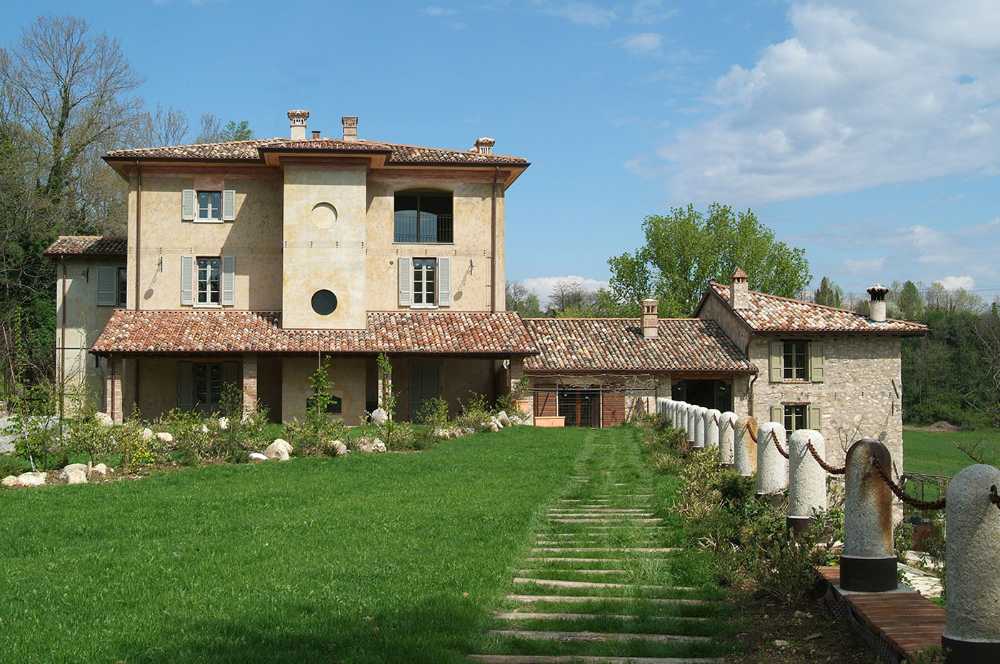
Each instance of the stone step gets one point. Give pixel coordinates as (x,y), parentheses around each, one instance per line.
(588,659)
(596,636)
(603,520)
(605,549)
(600,510)
(593,572)
(516,615)
(585,599)
(594,585)
(558,559)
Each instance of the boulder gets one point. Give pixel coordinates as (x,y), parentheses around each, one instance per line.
(74,467)
(496,421)
(104,419)
(165,437)
(31,479)
(147,434)
(100,469)
(494,427)
(339,448)
(370,445)
(503,418)
(257,456)
(9,481)
(279,449)
(75,473)
(468,431)
(441,432)
(379,416)
(223,423)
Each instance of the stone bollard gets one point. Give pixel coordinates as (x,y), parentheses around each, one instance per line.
(727,423)
(675,408)
(806,479)
(972,631)
(712,421)
(699,426)
(868,563)
(744,449)
(690,414)
(772,466)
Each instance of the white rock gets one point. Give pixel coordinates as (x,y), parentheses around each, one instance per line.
(9,481)
(441,433)
(100,469)
(82,467)
(339,448)
(31,479)
(379,447)
(204,428)
(147,434)
(379,416)
(104,419)
(165,437)
(223,423)
(503,418)
(368,445)
(468,431)
(494,427)
(279,449)
(257,456)
(74,474)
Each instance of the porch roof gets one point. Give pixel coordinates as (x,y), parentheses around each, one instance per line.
(231,331)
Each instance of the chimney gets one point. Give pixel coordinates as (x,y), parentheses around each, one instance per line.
(650,319)
(350,125)
(876,307)
(484,145)
(297,122)
(739,291)
(315,134)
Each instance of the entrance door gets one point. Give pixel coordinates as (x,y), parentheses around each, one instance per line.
(579,407)
(425,383)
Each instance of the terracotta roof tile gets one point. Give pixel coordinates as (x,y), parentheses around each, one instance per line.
(617,344)
(770,313)
(231,331)
(396,153)
(87,245)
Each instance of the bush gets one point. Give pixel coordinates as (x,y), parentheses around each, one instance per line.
(315,435)
(134,450)
(475,412)
(434,413)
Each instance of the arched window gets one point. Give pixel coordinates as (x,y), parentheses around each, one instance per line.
(423,216)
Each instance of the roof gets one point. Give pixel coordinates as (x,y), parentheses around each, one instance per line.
(253,150)
(616,344)
(232,331)
(771,313)
(87,245)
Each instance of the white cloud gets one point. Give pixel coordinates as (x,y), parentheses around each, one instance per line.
(864,265)
(956,282)
(434,10)
(860,94)
(543,286)
(650,11)
(643,43)
(582,13)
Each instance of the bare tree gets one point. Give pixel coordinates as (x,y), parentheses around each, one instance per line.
(167,126)
(211,129)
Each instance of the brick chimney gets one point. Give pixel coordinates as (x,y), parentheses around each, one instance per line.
(876,307)
(350,125)
(739,290)
(650,319)
(484,145)
(297,122)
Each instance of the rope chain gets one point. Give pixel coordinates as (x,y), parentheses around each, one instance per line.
(823,464)
(777,445)
(753,436)
(899,493)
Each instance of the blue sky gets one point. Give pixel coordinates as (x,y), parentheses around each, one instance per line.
(867,133)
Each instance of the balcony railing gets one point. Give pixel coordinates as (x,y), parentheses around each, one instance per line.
(425,227)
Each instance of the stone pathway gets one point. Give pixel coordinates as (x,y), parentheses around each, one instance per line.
(599,584)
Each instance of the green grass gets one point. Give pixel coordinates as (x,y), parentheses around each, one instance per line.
(386,558)
(935,453)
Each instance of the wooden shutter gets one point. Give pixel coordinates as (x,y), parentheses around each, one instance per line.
(228,204)
(816,361)
(107,286)
(814,418)
(444,281)
(187,276)
(405,281)
(187,205)
(185,386)
(778,415)
(229,280)
(776,361)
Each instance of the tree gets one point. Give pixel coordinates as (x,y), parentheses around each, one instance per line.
(829,293)
(213,131)
(685,248)
(164,127)
(521,300)
(911,304)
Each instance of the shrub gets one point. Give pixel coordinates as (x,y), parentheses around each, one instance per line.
(134,450)
(192,438)
(433,412)
(475,412)
(315,435)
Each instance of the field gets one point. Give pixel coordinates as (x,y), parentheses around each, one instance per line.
(935,453)
(396,557)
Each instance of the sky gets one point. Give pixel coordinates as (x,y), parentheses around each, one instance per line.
(866,132)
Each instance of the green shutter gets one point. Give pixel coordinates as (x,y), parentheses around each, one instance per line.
(776,362)
(778,415)
(185,386)
(816,361)
(107,286)
(187,205)
(815,418)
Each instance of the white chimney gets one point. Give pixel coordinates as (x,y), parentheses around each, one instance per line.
(739,290)
(297,123)
(484,145)
(350,125)
(650,319)
(876,307)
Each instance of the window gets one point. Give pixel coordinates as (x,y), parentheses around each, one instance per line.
(112,286)
(122,287)
(796,360)
(209,206)
(207,384)
(423,217)
(424,282)
(795,417)
(209,281)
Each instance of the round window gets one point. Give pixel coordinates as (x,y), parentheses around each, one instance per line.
(324,302)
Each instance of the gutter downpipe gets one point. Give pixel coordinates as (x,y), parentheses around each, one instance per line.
(62,350)
(493,242)
(138,234)
(753,380)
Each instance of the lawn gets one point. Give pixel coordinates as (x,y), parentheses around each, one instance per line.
(386,558)
(935,453)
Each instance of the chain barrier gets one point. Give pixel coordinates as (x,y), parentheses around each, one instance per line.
(823,464)
(899,493)
(715,418)
(753,436)
(783,452)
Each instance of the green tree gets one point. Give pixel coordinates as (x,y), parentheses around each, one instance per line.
(911,303)
(213,131)
(521,300)
(829,293)
(686,248)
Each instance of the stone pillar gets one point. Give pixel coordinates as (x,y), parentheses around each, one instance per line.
(384,386)
(744,449)
(806,479)
(712,422)
(699,426)
(690,417)
(249,383)
(972,632)
(772,466)
(676,414)
(727,424)
(114,402)
(868,563)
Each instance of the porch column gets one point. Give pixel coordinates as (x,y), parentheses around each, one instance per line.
(518,383)
(384,385)
(249,383)
(113,401)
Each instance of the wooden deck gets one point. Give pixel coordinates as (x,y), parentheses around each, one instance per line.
(899,624)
